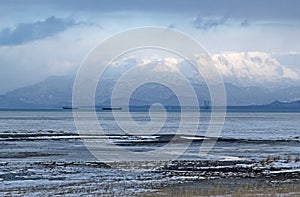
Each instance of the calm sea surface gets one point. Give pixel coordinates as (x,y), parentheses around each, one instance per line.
(244,135)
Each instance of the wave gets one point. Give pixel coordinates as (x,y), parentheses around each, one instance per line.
(124,139)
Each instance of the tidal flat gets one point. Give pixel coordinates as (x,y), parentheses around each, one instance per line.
(43,155)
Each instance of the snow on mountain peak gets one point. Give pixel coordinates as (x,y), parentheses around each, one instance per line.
(253,68)
(239,68)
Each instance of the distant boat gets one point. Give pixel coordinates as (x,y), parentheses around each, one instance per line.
(70,108)
(111,108)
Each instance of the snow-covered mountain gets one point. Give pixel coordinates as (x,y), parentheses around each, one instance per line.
(56,92)
(250,79)
(255,69)
(242,69)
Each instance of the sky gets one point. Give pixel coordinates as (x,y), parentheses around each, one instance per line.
(39,39)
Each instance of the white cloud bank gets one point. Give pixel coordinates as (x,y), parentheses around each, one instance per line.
(240,68)
(255,68)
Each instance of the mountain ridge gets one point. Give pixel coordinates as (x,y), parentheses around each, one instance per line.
(56,92)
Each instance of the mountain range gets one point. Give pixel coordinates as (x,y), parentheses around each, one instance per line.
(251,78)
(56,92)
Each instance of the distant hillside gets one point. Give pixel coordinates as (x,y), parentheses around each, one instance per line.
(275,106)
(53,92)
(278,104)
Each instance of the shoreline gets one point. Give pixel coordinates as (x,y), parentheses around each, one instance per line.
(176,178)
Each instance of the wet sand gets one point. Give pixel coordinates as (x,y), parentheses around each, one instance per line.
(59,164)
(169,178)
(262,186)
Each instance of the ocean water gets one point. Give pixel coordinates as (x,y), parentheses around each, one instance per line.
(244,135)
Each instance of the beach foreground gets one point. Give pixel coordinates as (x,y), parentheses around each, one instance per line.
(41,155)
(169,178)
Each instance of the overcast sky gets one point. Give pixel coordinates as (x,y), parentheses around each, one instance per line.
(51,37)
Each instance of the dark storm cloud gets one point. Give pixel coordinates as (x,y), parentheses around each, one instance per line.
(171,26)
(245,23)
(26,32)
(206,23)
(255,9)
(273,8)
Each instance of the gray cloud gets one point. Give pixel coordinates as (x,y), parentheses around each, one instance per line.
(26,32)
(171,26)
(206,23)
(255,8)
(245,23)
